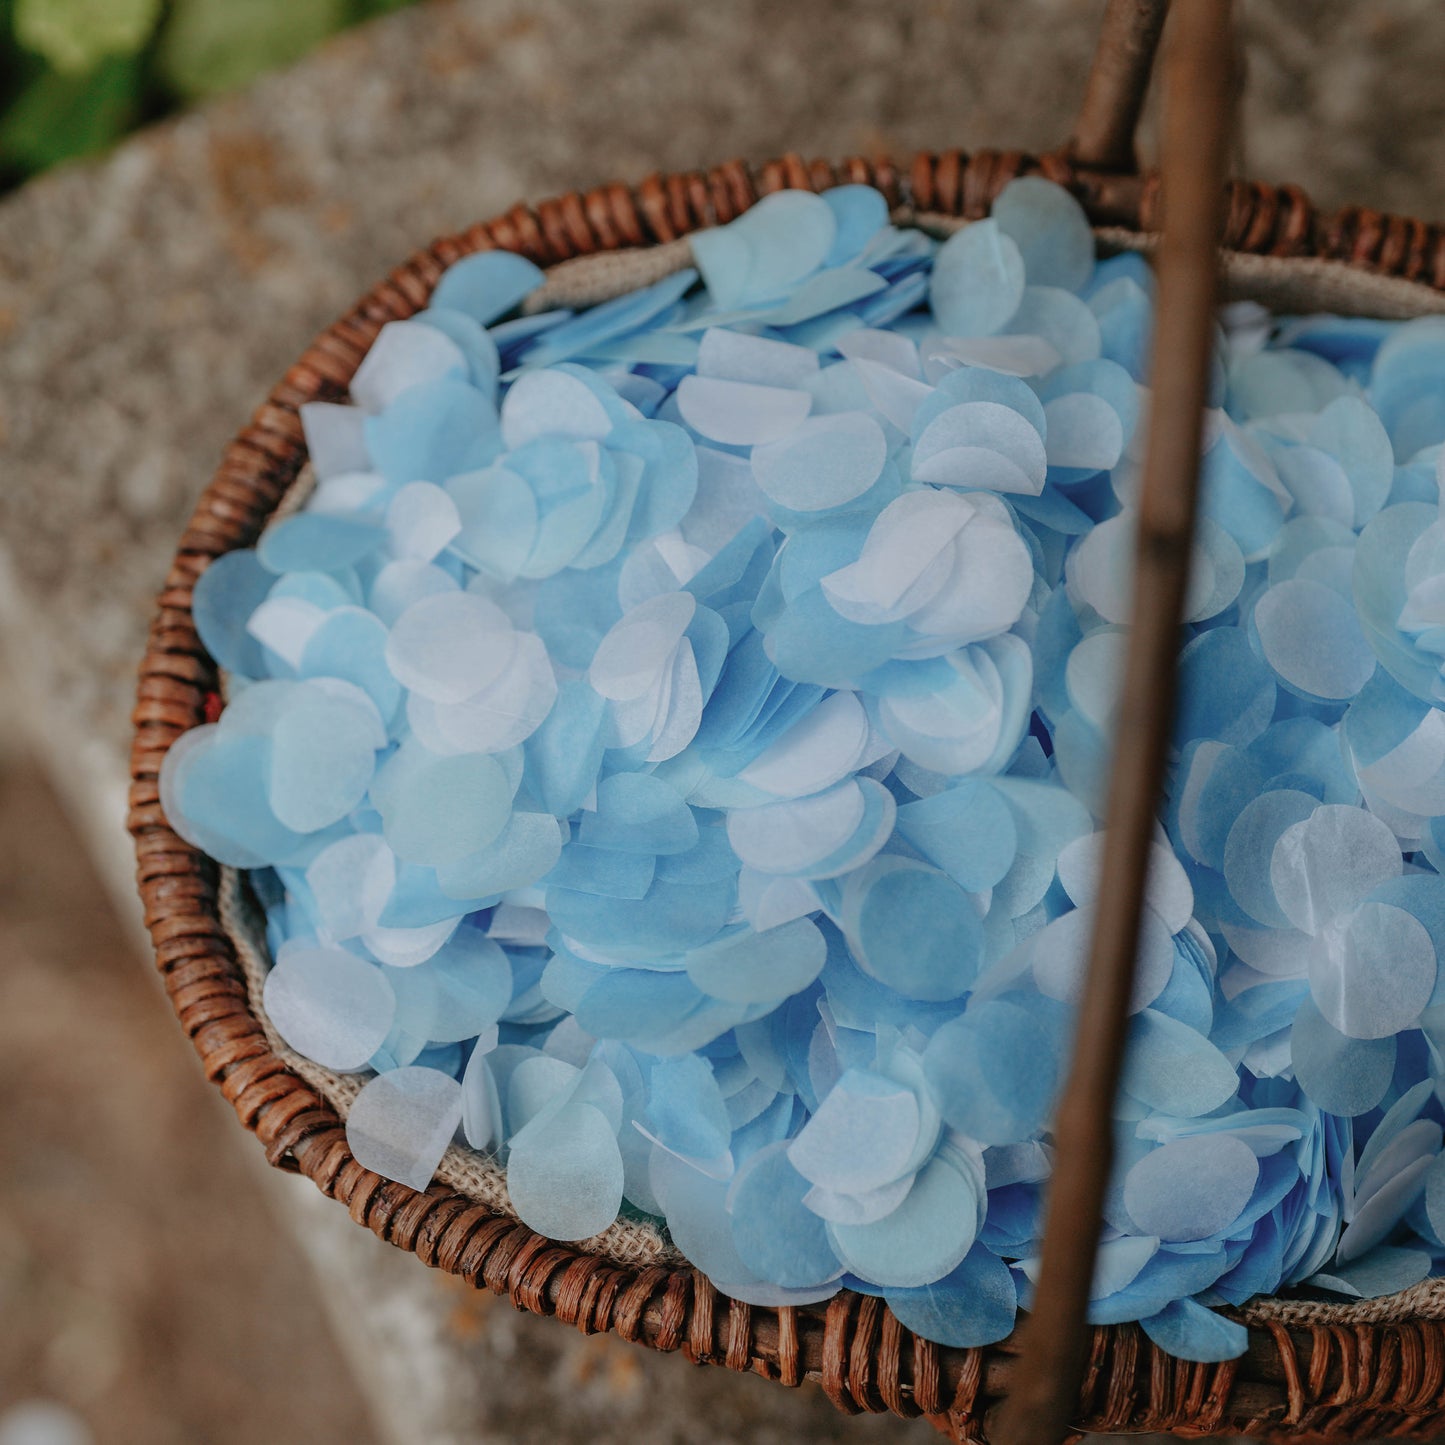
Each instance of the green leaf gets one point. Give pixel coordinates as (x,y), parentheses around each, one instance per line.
(368,9)
(76,35)
(58,117)
(208,46)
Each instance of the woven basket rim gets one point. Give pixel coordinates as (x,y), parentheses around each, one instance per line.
(1303,1371)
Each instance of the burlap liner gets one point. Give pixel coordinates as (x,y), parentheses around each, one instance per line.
(1286,285)
(586,280)
(1289,285)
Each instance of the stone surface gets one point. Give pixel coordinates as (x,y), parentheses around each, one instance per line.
(147,303)
(131,1288)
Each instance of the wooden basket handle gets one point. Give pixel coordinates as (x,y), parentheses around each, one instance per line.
(1041,1405)
(1118,82)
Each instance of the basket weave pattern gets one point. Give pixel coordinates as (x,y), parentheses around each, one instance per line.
(1307,1375)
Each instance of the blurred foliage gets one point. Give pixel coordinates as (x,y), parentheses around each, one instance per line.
(76,35)
(76,75)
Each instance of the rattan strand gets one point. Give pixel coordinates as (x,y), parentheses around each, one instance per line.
(1307,1374)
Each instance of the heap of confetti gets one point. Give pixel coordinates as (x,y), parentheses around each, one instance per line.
(671,742)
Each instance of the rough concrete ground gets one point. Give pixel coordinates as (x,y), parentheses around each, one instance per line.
(131,1287)
(146,303)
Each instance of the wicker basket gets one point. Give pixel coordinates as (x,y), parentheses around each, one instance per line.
(1312,1371)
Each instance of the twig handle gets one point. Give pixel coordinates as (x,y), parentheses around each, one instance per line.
(1196,141)
(1118,82)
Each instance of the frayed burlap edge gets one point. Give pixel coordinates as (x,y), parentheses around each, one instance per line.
(1304,285)
(1300,286)
(586,280)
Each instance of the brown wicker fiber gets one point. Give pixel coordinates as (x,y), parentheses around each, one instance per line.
(1309,1373)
